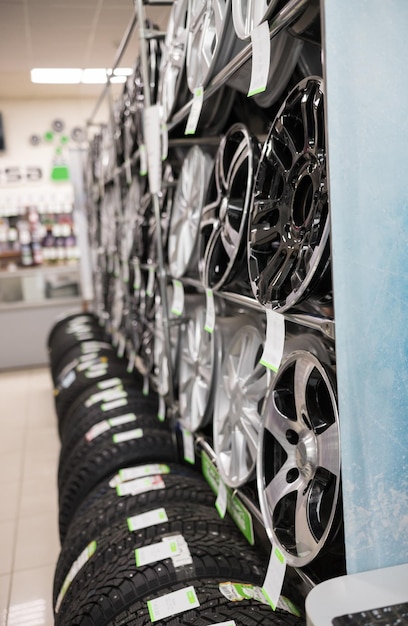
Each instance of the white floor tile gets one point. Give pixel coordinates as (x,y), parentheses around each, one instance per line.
(41,439)
(5,583)
(10,496)
(12,439)
(7,542)
(37,542)
(42,465)
(11,467)
(39,499)
(31,597)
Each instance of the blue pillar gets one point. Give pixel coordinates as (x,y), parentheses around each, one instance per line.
(366,60)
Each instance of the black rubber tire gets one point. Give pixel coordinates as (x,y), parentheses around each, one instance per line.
(213,609)
(77,424)
(60,326)
(85,449)
(75,352)
(75,382)
(68,334)
(103,508)
(217,549)
(109,457)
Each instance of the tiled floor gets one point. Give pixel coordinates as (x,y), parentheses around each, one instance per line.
(29,543)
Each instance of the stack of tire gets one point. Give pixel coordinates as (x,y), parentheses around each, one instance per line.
(141,541)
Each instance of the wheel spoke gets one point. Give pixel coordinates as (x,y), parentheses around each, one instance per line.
(329,450)
(305,541)
(303,370)
(279,487)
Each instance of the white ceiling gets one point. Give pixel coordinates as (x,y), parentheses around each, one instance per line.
(63,33)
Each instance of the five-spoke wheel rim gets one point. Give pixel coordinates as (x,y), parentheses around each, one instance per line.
(299,458)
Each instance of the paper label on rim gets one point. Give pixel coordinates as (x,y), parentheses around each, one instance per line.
(173,603)
(209,311)
(131,363)
(140,485)
(261,58)
(121,346)
(114,404)
(222,499)
(275,340)
(137,280)
(128,435)
(177,306)
(151,125)
(275,574)
(161,413)
(145,520)
(150,281)
(142,160)
(195,111)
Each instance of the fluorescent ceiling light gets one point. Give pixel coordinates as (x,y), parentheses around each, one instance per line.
(75,76)
(64,75)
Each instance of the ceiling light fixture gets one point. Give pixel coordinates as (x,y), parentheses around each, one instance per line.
(75,76)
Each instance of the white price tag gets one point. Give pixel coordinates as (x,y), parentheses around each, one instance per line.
(177,306)
(210,311)
(275,340)
(122,419)
(125,271)
(130,473)
(275,574)
(68,380)
(150,282)
(222,499)
(195,111)
(261,59)
(128,435)
(229,623)
(113,404)
(145,520)
(156,552)
(137,279)
(121,346)
(110,382)
(161,413)
(142,160)
(131,364)
(140,485)
(145,390)
(151,119)
(96,430)
(165,139)
(188,446)
(112,393)
(173,603)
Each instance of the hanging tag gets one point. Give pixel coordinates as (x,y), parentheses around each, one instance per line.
(150,282)
(151,119)
(261,58)
(165,140)
(121,345)
(145,390)
(172,603)
(275,340)
(131,364)
(128,171)
(222,499)
(210,311)
(161,413)
(275,574)
(142,160)
(195,111)
(137,280)
(177,306)
(125,271)
(188,446)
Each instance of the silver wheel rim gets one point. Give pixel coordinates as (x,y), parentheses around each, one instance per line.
(186,212)
(247,14)
(161,366)
(196,372)
(299,458)
(209,36)
(224,219)
(173,57)
(241,389)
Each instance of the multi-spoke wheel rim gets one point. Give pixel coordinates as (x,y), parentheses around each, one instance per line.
(289,251)
(224,218)
(197,366)
(240,392)
(210,40)
(186,212)
(172,64)
(299,458)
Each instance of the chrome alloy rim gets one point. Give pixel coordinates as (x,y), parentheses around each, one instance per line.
(247,14)
(196,371)
(289,250)
(240,392)
(173,57)
(299,458)
(186,212)
(224,218)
